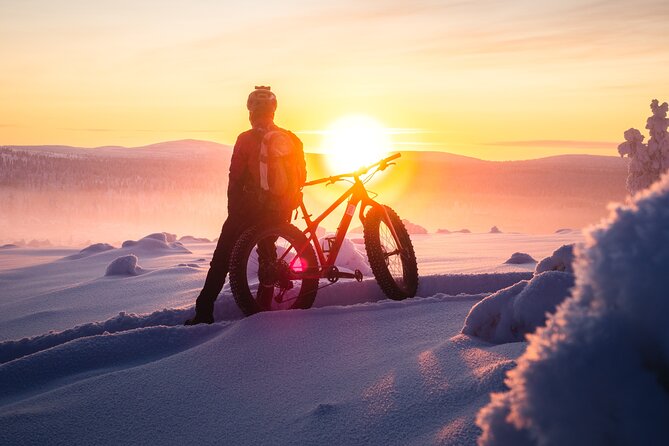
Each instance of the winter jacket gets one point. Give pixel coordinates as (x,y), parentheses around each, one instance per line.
(244,178)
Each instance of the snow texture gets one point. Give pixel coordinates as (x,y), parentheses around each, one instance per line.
(519,258)
(124,266)
(598,373)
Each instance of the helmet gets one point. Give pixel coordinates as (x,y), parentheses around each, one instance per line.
(261,99)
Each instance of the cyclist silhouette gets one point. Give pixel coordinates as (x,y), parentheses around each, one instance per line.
(248,202)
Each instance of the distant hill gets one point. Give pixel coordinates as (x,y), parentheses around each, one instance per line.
(180,187)
(167,149)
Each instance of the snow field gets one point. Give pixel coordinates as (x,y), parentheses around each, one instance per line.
(356,369)
(290,377)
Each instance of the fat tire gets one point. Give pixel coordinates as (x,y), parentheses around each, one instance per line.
(377,261)
(239,261)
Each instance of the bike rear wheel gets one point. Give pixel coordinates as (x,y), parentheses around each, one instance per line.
(394,267)
(273,267)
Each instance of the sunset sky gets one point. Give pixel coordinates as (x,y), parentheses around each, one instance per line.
(491,79)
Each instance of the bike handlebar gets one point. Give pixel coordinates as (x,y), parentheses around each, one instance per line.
(363,170)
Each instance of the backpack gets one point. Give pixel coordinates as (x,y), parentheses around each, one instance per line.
(282,171)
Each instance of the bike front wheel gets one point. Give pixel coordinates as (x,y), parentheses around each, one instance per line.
(393,264)
(273,267)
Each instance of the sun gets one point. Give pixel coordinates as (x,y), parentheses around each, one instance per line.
(355,141)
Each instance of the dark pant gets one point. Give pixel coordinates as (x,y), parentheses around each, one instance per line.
(233,227)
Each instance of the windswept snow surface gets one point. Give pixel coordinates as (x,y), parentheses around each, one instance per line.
(84,356)
(598,373)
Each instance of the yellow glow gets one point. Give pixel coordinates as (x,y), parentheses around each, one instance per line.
(355,141)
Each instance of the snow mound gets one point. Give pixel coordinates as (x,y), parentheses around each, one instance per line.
(562,259)
(157,242)
(9,246)
(454,284)
(519,258)
(14,349)
(447,231)
(350,256)
(97,355)
(90,250)
(509,314)
(124,266)
(599,371)
(191,239)
(495,230)
(564,231)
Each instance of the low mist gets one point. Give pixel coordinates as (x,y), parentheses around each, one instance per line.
(69,196)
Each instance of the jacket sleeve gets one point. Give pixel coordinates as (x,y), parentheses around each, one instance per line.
(236,177)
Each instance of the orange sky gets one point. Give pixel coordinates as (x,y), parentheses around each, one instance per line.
(490,79)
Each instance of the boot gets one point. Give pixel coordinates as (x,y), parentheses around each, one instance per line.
(200,319)
(204,314)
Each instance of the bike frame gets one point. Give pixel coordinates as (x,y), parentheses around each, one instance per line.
(356,194)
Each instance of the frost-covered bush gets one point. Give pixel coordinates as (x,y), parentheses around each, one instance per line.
(598,373)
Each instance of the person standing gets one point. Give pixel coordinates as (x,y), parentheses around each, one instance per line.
(257,155)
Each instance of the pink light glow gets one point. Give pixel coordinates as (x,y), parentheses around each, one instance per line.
(298,265)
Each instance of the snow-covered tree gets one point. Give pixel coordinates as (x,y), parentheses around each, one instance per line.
(647,162)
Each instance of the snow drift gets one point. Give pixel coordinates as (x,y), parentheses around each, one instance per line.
(160,241)
(90,250)
(509,314)
(124,266)
(192,239)
(599,371)
(350,256)
(519,258)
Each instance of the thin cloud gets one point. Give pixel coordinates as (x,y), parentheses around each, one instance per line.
(387,131)
(556,144)
(103,130)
